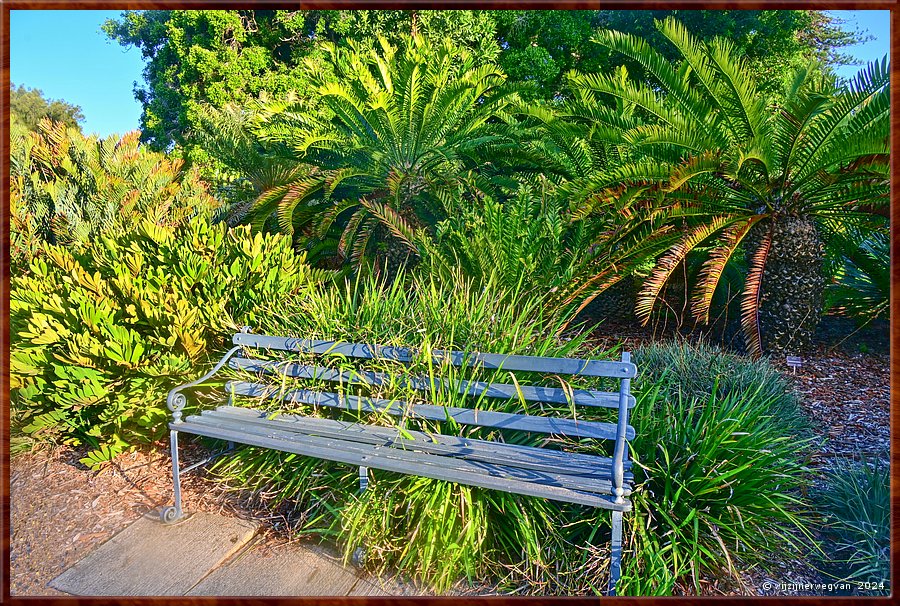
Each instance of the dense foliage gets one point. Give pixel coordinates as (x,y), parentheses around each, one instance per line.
(68,189)
(402,127)
(217,56)
(99,335)
(479,178)
(741,176)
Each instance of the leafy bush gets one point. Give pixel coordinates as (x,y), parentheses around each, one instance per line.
(721,486)
(857,507)
(527,239)
(68,188)
(100,335)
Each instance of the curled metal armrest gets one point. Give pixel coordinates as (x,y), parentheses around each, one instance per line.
(176,400)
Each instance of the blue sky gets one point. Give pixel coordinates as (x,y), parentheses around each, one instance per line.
(65,54)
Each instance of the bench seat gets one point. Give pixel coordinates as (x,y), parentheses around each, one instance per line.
(540,472)
(438,391)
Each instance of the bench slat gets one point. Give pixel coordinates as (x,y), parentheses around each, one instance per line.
(463,416)
(371,434)
(576,462)
(552,395)
(406,462)
(567,366)
(361,438)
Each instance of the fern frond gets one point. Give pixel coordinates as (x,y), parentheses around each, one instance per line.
(751,296)
(712,269)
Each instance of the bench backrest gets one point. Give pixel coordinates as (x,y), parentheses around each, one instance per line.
(572,427)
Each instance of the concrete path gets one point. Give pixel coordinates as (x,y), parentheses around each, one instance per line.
(206,555)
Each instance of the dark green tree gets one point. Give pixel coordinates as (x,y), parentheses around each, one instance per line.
(28,107)
(218,57)
(541,46)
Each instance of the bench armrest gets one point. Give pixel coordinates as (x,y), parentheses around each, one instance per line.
(176,400)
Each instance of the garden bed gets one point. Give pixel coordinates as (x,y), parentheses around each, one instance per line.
(844,394)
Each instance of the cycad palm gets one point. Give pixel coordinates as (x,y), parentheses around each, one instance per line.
(739,175)
(400,128)
(241,165)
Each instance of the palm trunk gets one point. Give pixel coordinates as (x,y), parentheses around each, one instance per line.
(792,286)
(392,255)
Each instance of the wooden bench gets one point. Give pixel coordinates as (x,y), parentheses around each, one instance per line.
(571,477)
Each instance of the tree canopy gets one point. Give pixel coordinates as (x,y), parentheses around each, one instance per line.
(220,57)
(28,106)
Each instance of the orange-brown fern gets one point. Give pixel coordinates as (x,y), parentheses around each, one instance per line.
(751,296)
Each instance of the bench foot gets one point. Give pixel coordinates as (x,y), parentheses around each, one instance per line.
(174,513)
(359,557)
(170,515)
(615,561)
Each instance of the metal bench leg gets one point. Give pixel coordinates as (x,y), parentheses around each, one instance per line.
(171,514)
(363,478)
(615,562)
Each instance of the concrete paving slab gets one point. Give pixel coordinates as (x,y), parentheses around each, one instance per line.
(284,570)
(153,559)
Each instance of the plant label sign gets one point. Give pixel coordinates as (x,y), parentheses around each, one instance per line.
(794,362)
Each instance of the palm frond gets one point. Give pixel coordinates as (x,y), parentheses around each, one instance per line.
(751,296)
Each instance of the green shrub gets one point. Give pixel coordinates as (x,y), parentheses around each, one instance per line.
(857,507)
(68,188)
(100,335)
(697,370)
(720,483)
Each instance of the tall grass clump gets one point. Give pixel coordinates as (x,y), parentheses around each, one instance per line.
(857,507)
(700,370)
(720,482)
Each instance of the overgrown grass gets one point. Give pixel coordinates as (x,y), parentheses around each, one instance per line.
(721,488)
(857,508)
(692,370)
(720,473)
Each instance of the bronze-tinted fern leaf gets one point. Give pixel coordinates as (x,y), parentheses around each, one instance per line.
(712,269)
(391,219)
(751,297)
(361,243)
(669,262)
(350,231)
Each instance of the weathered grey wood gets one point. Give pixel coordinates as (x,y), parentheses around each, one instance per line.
(153,559)
(358,455)
(551,395)
(387,449)
(463,416)
(368,434)
(567,366)
(571,463)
